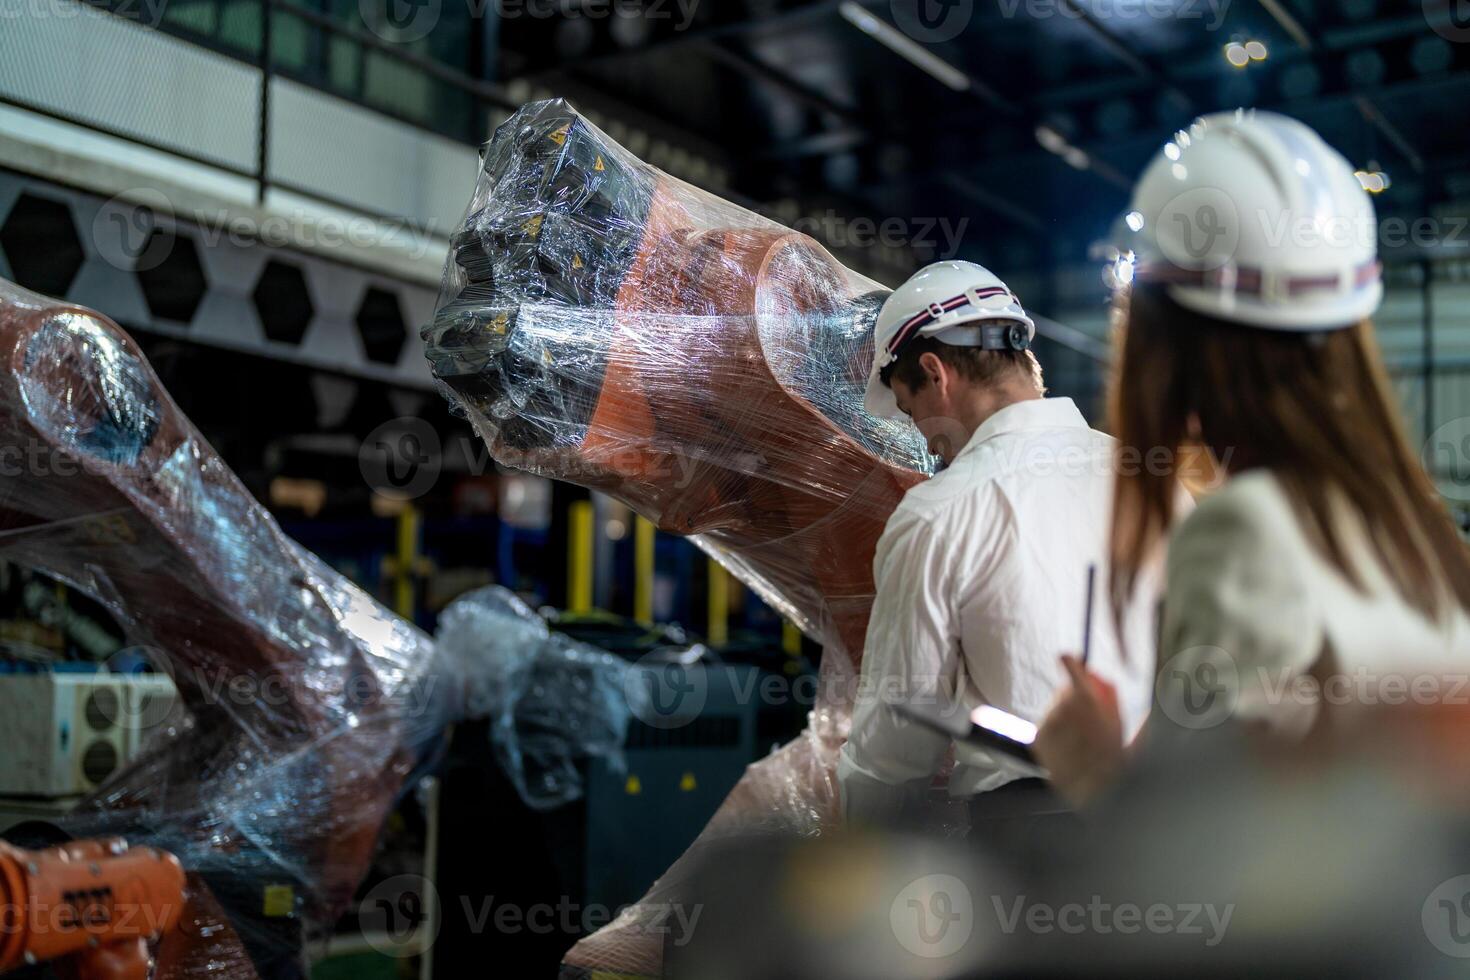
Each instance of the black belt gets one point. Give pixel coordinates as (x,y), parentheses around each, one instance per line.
(1020,798)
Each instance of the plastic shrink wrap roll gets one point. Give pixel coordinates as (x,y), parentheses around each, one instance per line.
(304,704)
(603,323)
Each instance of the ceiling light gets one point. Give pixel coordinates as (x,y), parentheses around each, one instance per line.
(1118,273)
(1236,54)
(904,46)
(1052,140)
(1256,50)
(1373,181)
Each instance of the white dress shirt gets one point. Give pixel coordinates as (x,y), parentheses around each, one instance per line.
(981,578)
(1253,606)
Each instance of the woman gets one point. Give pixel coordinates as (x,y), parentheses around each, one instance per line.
(1327,558)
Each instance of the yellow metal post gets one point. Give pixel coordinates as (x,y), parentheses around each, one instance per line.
(719,605)
(579,557)
(643,569)
(790,638)
(791,643)
(408,557)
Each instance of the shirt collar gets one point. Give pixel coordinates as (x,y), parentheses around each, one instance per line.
(1034,413)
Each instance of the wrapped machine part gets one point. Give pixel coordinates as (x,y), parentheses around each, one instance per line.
(603,323)
(551,700)
(307,702)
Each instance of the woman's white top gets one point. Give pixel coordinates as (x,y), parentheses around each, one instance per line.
(1252,605)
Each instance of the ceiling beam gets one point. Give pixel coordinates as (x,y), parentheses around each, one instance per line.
(1289,24)
(1202,73)
(1003,206)
(1029,160)
(783,21)
(753,67)
(1120,50)
(828,143)
(1390,132)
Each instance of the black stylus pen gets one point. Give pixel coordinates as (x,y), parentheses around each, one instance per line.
(1087,615)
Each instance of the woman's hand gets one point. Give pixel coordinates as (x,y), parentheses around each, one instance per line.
(1081,740)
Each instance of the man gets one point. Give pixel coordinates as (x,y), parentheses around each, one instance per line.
(982,571)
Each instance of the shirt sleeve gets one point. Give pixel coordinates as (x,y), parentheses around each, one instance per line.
(1240,626)
(911,652)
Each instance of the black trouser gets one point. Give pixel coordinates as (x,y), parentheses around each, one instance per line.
(1019,819)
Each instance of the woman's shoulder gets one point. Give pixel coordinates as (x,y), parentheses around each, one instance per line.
(1240,595)
(1251,510)
(1241,555)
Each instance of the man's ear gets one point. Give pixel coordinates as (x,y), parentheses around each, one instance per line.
(933,369)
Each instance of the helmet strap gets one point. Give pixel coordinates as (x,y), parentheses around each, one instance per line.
(996,334)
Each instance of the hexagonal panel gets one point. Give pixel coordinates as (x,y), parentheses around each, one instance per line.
(172,276)
(381,327)
(41,243)
(282,300)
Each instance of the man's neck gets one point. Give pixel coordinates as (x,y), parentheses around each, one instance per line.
(976,410)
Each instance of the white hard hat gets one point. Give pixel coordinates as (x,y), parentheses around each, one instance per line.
(1251,217)
(955,302)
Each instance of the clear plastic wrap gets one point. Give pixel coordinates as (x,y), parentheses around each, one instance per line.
(304,704)
(603,323)
(550,699)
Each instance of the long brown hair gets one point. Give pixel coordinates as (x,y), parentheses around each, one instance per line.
(1314,409)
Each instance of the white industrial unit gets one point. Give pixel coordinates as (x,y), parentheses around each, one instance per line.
(64,734)
(151,700)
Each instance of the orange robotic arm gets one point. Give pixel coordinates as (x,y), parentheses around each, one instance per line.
(603,323)
(298,686)
(91,906)
(606,324)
